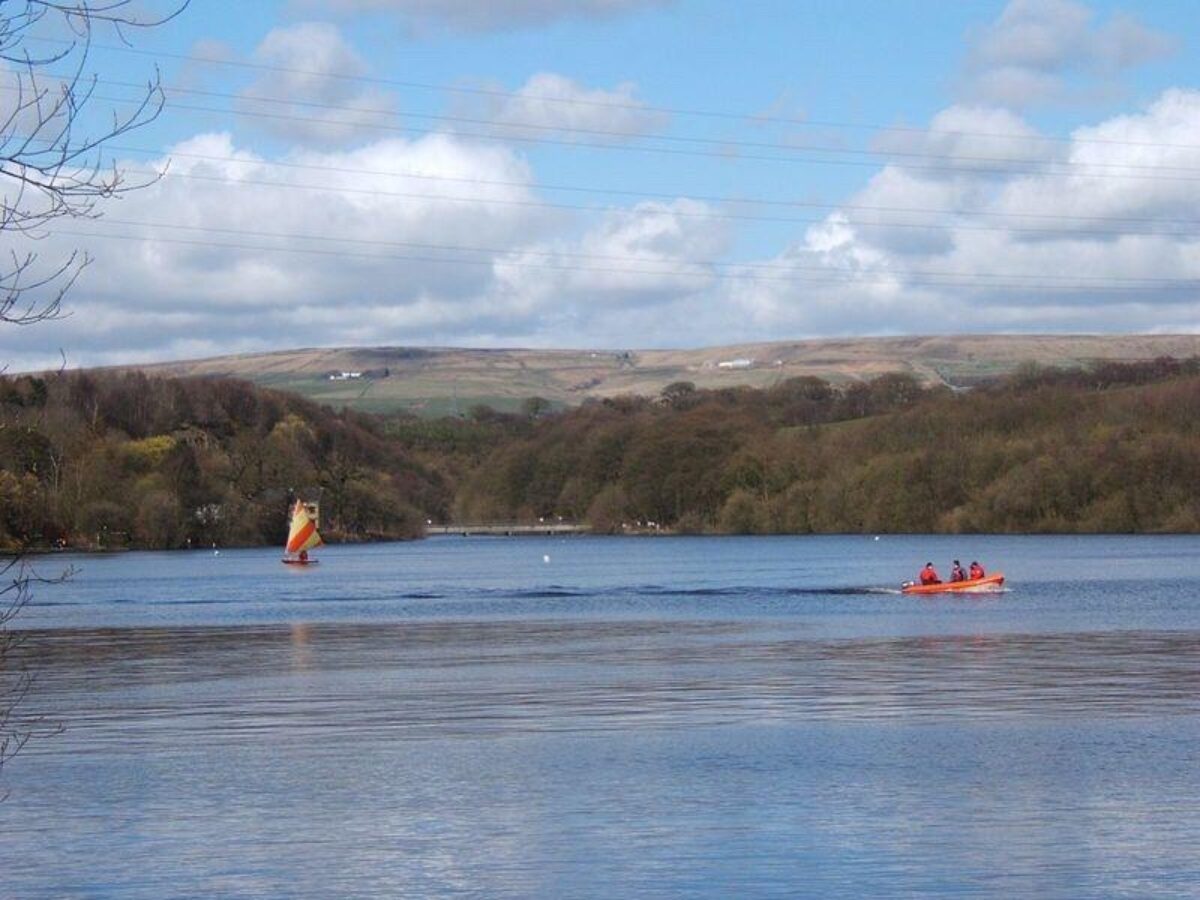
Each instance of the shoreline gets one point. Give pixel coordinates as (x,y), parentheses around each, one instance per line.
(447,532)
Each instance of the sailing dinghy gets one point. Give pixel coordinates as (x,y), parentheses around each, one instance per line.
(302,535)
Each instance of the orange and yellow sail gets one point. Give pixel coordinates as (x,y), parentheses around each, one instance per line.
(302,534)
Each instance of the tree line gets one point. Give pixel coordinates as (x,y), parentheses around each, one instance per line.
(107,459)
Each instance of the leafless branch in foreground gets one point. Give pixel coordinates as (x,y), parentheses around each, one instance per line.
(53,164)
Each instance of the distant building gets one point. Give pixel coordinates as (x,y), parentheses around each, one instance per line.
(735,364)
(344,376)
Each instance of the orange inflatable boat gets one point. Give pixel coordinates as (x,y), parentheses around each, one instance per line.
(972,586)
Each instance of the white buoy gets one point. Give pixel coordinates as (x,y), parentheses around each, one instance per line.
(546,557)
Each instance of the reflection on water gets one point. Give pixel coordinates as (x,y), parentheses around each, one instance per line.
(739,734)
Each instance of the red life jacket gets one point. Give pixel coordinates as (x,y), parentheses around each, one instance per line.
(976,571)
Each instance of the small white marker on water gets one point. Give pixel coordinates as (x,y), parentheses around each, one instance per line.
(545,557)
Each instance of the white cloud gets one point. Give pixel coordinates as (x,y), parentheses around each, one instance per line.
(256,264)
(650,254)
(1027,55)
(1055,247)
(1158,152)
(463,256)
(970,139)
(488,15)
(312,60)
(555,104)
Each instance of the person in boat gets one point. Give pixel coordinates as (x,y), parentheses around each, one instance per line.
(957,573)
(303,556)
(976,571)
(929,575)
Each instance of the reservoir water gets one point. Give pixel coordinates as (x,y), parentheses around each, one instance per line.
(612,717)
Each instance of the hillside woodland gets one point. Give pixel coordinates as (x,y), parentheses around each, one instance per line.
(1111,449)
(112,460)
(102,460)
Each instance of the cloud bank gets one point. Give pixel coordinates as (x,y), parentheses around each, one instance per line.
(978,223)
(1077,237)
(447,241)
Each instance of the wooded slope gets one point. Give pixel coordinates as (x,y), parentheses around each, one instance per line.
(1042,451)
(123,459)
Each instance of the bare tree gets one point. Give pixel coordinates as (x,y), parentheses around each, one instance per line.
(52,160)
(14,681)
(53,166)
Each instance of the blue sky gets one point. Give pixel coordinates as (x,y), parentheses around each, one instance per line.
(427,172)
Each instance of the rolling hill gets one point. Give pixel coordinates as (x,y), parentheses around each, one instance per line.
(438,381)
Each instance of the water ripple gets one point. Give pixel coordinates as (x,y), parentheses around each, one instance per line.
(160,686)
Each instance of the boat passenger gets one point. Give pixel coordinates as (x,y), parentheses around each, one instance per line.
(957,573)
(929,575)
(976,571)
(303,556)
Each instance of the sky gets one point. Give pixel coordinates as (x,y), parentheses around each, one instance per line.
(631,174)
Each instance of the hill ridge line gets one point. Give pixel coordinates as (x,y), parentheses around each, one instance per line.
(441,380)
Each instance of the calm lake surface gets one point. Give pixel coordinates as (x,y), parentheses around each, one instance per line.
(613,717)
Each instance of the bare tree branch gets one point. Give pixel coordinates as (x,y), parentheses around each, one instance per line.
(52,160)
(17,727)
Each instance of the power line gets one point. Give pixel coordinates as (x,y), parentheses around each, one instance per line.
(686,214)
(1053,168)
(615,105)
(787,267)
(657,195)
(719,145)
(900,279)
